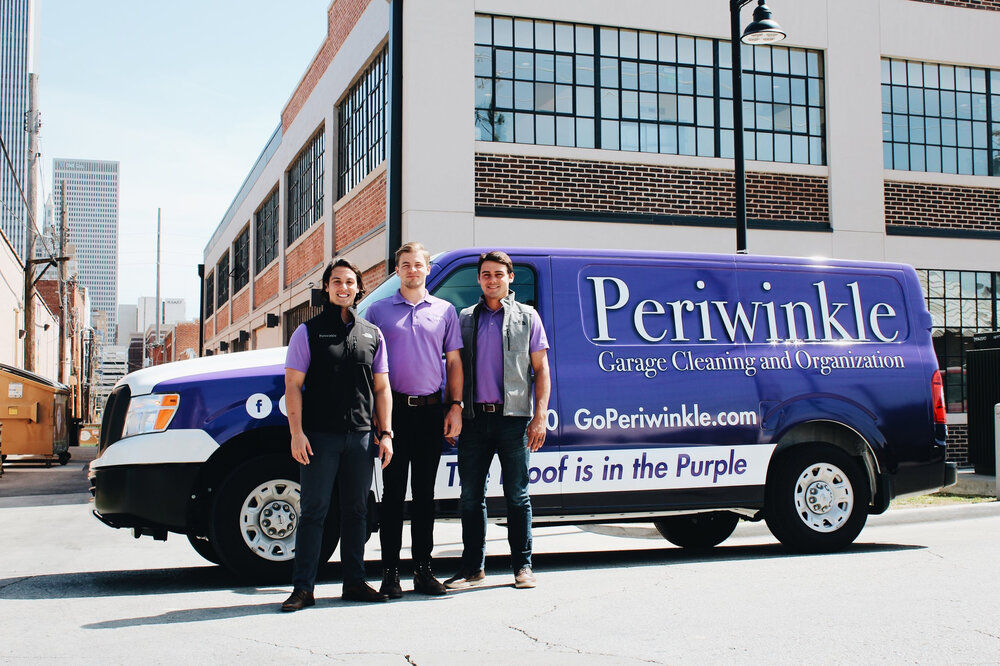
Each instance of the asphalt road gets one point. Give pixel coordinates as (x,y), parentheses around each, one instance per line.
(919,586)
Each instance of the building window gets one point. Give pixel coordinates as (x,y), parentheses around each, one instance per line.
(222,286)
(300,314)
(589,86)
(362,126)
(209,295)
(305,188)
(265,231)
(241,260)
(940,118)
(961,304)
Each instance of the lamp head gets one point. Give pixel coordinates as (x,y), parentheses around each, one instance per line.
(763,29)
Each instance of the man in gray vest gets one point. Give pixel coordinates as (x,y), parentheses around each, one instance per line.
(503,356)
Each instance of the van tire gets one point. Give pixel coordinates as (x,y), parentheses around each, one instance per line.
(816,498)
(237,520)
(204,548)
(697,530)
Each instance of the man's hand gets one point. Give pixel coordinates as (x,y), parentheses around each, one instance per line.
(301,450)
(385,449)
(536,433)
(452,423)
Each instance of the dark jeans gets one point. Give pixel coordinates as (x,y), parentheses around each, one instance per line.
(482,437)
(416,447)
(347,458)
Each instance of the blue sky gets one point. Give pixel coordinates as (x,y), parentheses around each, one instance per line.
(184,94)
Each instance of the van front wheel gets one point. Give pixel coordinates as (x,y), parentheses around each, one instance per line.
(816,499)
(698,530)
(255,517)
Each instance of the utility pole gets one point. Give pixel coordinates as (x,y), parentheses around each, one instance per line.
(158,280)
(63,277)
(31,126)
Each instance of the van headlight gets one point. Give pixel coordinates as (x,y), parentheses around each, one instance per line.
(150,413)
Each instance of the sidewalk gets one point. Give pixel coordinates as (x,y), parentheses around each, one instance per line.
(970,483)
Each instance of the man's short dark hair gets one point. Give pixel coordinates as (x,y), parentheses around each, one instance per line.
(498,256)
(341,262)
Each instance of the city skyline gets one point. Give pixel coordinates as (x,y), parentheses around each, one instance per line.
(185,124)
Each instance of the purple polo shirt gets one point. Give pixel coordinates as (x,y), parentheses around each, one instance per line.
(416,334)
(298,356)
(489,352)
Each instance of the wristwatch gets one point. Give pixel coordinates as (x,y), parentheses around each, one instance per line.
(385,433)
(456,402)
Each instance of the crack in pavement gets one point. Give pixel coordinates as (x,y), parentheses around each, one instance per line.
(567,648)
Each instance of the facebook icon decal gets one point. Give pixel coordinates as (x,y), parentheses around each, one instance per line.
(258,406)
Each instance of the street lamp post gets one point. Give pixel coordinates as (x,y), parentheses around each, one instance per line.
(763,30)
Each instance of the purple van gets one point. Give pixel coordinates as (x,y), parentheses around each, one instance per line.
(689,390)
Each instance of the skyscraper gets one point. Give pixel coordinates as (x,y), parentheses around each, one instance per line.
(92,212)
(17,44)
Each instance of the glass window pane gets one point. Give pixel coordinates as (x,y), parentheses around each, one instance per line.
(524,95)
(505,64)
(630,104)
(609,72)
(779,59)
(647,45)
(648,138)
(685,109)
(762,58)
(544,67)
(914,74)
(797,61)
(686,141)
(505,94)
(704,52)
(762,88)
(503,32)
(609,103)
(629,44)
(524,128)
(545,130)
(484,93)
(647,76)
(585,70)
(564,99)
(667,75)
(564,69)
(484,61)
(524,65)
(523,37)
(584,39)
(764,116)
(668,139)
(933,155)
(765,150)
(585,133)
(667,108)
(782,148)
(706,112)
(685,50)
(706,142)
(706,81)
(726,140)
(484,30)
(916,158)
(609,42)
(630,75)
(647,106)
(949,160)
(668,48)
(545,97)
(800,150)
(544,37)
(564,37)
(630,136)
(584,101)
(685,80)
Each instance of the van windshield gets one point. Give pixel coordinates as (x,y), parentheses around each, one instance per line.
(388,287)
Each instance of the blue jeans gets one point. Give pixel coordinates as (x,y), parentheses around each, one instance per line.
(482,437)
(336,456)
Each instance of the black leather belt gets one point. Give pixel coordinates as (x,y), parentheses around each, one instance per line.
(416,400)
(489,407)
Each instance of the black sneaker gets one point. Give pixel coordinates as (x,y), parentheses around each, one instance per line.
(463,580)
(424,581)
(298,600)
(390,584)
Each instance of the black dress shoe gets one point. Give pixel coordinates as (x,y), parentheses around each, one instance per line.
(390,584)
(362,592)
(298,600)
(424,581)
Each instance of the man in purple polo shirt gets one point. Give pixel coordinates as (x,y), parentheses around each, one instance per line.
(418,329)
(506,395)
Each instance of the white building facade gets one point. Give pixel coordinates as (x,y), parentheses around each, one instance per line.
(92,215)
(871,132)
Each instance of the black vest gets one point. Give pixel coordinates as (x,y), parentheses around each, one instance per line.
(338,392)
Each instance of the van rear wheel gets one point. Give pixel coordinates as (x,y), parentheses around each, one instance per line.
(816,499)
(698,530)
(203,547)
(255,516)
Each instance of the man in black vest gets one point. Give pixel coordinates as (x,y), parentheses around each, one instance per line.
(335,372)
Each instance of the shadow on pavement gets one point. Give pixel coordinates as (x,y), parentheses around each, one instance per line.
(196,579)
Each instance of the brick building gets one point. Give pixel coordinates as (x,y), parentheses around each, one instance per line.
(871,132)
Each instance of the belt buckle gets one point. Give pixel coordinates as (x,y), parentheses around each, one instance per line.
(489,408)
(413,401)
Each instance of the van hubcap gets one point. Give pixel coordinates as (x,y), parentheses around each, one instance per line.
(824,497)
(269,517)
